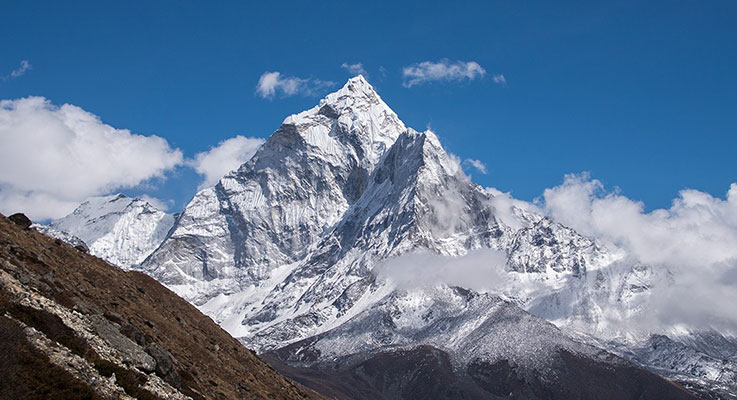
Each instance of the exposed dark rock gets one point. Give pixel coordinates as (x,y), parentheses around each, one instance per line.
(82,248)
(21,220)
(164,364)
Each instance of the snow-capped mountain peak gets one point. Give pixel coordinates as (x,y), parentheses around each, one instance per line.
(120,229)
(354,115)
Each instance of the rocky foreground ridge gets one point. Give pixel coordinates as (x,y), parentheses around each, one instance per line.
(74,327)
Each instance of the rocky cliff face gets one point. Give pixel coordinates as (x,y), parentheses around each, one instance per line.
(72,326)
(271,210)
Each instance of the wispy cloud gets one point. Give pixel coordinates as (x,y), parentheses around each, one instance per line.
(354,69)
(499,79)
(18,72)
(481,269)
(162,205)
(271,84)
(478,164)
(443,70)
(223,158)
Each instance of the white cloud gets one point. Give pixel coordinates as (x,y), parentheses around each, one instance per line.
(18,72)
(698,229)
(52,158)
(271,84)
(695,240)
(500,79)
(223,158)
(162,205)
(480,270)
(354,69)
(504,207)
(478,164)
(443,70)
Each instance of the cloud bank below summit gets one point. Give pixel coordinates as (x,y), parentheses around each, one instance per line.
(698,229)
(695,240)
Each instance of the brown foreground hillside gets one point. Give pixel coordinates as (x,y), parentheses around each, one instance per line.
(74,327)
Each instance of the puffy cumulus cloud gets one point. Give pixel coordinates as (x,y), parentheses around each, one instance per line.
(477,164)
(697,298)
(354,69)
(223,158)
(480,270)
(443,70)
(52,158)
(271,84)
(697,229)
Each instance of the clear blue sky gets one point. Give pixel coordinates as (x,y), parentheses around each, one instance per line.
(641,94)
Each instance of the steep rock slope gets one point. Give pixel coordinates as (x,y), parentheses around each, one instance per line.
(73,326)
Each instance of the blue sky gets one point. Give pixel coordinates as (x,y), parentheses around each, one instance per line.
(643,95)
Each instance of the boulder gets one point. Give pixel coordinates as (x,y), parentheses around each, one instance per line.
(21,220)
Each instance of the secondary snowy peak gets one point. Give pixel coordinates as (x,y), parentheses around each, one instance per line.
(119,229)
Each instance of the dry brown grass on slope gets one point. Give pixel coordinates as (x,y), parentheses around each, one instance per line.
(206,361)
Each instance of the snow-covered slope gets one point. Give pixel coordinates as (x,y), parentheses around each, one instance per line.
(493,348)
(61,235)
(119,229)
